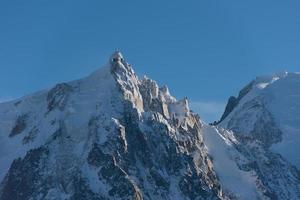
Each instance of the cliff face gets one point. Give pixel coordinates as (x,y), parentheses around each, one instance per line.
(112,135)
(107,136)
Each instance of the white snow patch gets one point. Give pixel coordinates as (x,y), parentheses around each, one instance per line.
(231,177)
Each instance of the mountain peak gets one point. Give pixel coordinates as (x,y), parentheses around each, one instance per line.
(119,65)
(116,56)
(268,103)
(118,137)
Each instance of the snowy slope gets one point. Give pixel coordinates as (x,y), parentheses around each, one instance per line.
(265,119)
(239,183)
(39,119)
(112,135)
(107,136)
(280,95)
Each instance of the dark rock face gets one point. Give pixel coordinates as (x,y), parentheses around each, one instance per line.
(245,90)
(82,190)
(97,158)
(20,125)
(141,143)
(31,135)
(274,173)
(153,153)
(23,180)
(112,174)
(188,185)
(58,96)
(234,101)
(266,130)
(140,157)
(231,104)
(159,180)
(37,177)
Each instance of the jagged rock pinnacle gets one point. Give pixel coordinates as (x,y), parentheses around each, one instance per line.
(118,62)
(116,56)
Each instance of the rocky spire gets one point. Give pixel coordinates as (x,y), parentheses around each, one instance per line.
(117,62)
(126,79)
(116,57)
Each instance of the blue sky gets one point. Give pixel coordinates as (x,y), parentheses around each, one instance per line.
(205,50)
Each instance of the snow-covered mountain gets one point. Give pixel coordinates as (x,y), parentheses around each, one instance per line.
(107,136)
(112,135)
(265,130)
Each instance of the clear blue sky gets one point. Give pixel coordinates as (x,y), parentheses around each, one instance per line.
(205,50)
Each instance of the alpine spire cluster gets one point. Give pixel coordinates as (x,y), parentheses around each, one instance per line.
(112,135)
